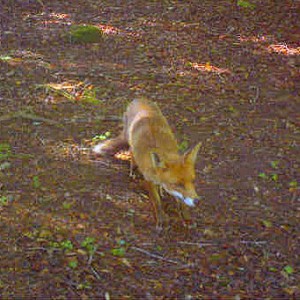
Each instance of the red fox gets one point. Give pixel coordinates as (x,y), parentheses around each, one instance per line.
(154,150)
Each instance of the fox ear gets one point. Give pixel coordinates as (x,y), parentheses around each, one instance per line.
(156,162)
(191,155)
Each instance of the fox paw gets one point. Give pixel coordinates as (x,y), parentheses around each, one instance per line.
(163,223)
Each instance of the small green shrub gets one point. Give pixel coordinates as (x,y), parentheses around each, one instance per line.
(85,34)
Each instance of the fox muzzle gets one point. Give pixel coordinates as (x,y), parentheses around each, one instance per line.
(187,200)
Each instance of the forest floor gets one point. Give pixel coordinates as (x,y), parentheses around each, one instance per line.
(225,74)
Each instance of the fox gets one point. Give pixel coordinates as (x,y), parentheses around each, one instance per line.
(155,152)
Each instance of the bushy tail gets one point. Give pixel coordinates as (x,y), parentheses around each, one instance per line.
(111,147)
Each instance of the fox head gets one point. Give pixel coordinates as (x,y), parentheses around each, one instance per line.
(177,176)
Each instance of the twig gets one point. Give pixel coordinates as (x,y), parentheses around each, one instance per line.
(37,248)
(34,117)
(253,242)
(91,256)
(215,244)
(95,273)
(197,244)
(155,255)
(25,115)
(256,94)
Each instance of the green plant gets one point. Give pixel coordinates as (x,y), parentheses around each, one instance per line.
(89,96)
(73,264)
(63,245)
(263,175)
(245,4)
(293,184)
(121,250)
(67,205)
(3,201)
(274,164)
(101,137)
(36,182)
(5,57)
(118,251)
(89,245)
(267,223)
(289,270)
(183,145)
(66,245)
(84,286)
(5,165)
(5,151)
(85,34)
(274,177)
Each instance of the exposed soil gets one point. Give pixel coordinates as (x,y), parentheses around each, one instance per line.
(227,75)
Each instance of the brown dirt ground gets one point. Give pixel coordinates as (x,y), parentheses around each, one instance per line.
(223,74)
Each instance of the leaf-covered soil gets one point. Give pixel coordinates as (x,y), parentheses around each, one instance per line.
(72,226)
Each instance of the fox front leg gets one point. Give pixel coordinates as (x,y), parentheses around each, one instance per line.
(133,166)
(162,219)
(184,212)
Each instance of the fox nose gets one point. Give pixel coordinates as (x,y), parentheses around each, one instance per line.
(196,201)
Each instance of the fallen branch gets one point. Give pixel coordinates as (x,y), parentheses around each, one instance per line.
(29,116)
(197,244)
(216,244)
(253,242)
(96,274)
(155,255)
(254,100)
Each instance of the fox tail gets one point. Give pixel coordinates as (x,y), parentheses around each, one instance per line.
(112,146)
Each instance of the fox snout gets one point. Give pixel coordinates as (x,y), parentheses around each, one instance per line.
(190,201)
(187,200)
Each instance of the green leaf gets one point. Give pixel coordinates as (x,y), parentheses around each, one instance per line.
(183,146)
(215,257)
(293,184)
(73,264)
(267,224)
(289,270)
(83,286)
(87,241)
(272,269)
(5,165)
(274,177)
(85,34)
(66,245)
(36,182)
(5,151)
(101,137)
(245,4)
(5,57)
(89,244)
(274,164)
(159,248)
(118,252)
(3,201)
(231,109)
(263,175)
(67,205)
(54,244)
